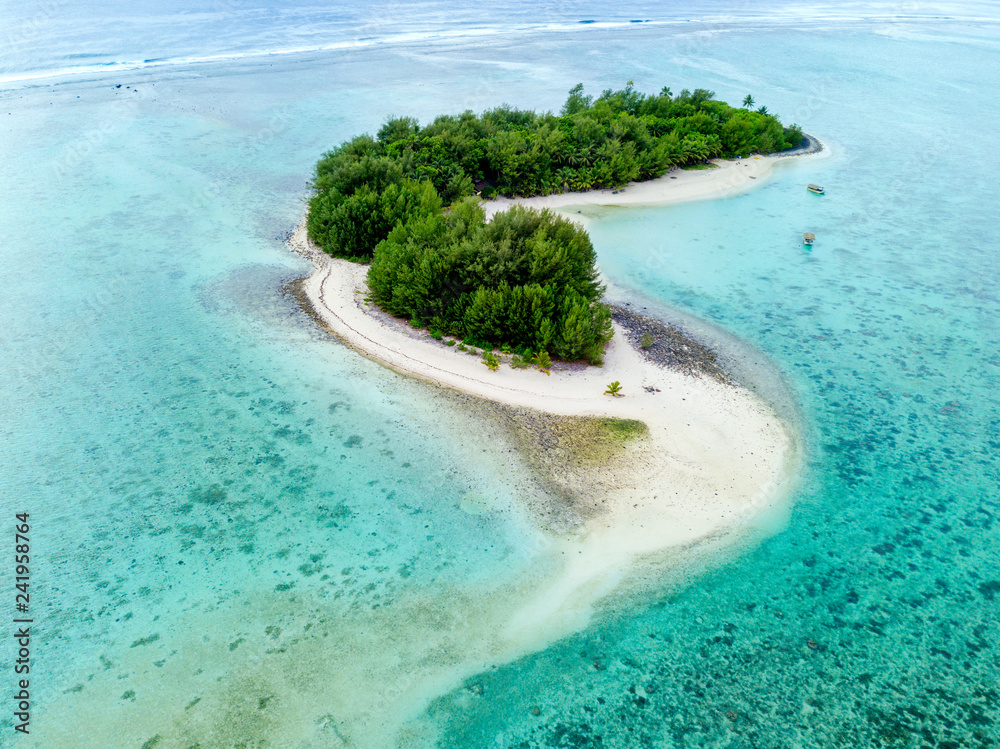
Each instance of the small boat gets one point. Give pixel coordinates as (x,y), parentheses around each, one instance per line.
(816,189)
(808,238)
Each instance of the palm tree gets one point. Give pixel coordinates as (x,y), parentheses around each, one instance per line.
(578,156)
(762,110)
(543,361)
(565,176)
(747,101)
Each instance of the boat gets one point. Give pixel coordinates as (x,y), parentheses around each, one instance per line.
(815,189)
(808,238)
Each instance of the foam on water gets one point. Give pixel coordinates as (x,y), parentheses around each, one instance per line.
(51,40)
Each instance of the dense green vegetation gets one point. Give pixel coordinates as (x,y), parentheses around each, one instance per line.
(527,279)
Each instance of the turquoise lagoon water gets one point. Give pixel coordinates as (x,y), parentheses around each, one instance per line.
(243,534)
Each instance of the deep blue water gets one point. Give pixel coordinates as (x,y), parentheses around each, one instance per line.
(243,532)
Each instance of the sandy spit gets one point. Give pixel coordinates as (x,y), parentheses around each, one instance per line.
(715,460)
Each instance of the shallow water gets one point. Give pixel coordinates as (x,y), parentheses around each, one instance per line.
(244,532)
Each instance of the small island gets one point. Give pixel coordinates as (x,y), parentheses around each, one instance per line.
(500,299)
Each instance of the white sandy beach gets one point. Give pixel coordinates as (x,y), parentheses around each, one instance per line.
(714,458)
(678,186)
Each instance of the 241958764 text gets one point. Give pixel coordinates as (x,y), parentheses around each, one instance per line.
(22,623)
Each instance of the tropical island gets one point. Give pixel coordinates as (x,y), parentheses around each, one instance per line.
(655,448)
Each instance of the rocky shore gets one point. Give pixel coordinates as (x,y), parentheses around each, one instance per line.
(668,347)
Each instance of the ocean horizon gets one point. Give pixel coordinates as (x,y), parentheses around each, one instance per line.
(243,533)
